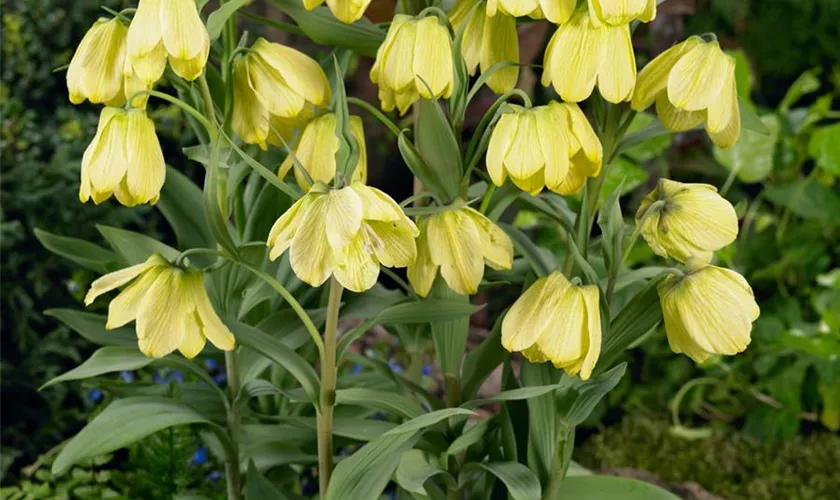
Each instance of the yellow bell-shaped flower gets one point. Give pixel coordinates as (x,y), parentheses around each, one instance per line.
(693,83)
(556,11)
(582,54)
(618,12)
(458,242)
(96,69)
(550,146)
(275,91)
(124,159)
(346,11)
(487,41)
(414,61)
(709,310)
(170,306)
(347,233)
(557,321)
(686,220)
(316,148)
(164,29)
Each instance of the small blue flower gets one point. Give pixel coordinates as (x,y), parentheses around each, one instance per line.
(158,378)
(427,370)
(95,395)
(357,369)
(199,457)
(215,475)
(127,376)
(395,366)
(177,376)
(220,378)
(211,364)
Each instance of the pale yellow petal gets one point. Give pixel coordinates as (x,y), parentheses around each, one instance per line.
(617,73)
(432,61)
(119,278)
(343,217)
(348,11)
(356,269)
(421,274)
(272,90)
(392,242)
(193,341)
(181,29)
(144,33)
(518,8)
(728,136)
(190,69)
(249,118)
(563,340)
(675,119)
(532,313)
(552,132)
(455,245)
(377,205)
(148,66)
(698,78)
(108,162)
(653,79)
(212,327)
(501,140)
(123,309)
(558,11)
(574,59)
(591,297)
(146,170)
(472,40)
(299,71)
(311,256)
(523,159)
(397,69)
(283,231)
(161,319)
(496,245)
(500,43)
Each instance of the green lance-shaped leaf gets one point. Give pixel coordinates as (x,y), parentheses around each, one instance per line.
(391,402)
(217,19)
(439,147)
(751,158)
(418,166)
(105,360)
(123,422)
(92,327)
(541,260)
(135,247)
(481,361)
(610,488)
(215,200)
(520,482)
(257,487)
(416,466)
(83,253)
(181,205)
(347,154)
(578,402)
(450,337)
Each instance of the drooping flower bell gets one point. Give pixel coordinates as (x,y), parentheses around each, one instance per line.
(96,69)
(167,29)
(686,220)
(581,55)
(557,321)
(347,233)
(693,83)
(618,12)
(275,91)
(346,11)
(170,305)
(459,243)
(316,148)
(709,310)
(550,146)
(414,61)
(124,159)
(487,40)
(556,11)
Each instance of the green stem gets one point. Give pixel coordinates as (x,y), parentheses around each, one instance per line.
(209,110)
(328,380)
(232,472)
(211,129)
(195,251)
(287,27)
(376,114)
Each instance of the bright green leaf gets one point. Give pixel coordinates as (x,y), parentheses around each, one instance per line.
(83,253)
(752,156)
(610,488)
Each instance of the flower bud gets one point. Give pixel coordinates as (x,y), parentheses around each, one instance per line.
(617,12)
(164,29)
(346,11)
(347,233)
(96,70)
(557,321)
(686,220)
(550,146)
(581,54)
(316,148)
(556,11)
(449,241)
(693,83)
(124,159)
(414,61)
(275,91)
(709,310)
(170,305)
(487,40)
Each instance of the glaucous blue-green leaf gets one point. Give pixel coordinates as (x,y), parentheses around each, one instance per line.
(416,466)
(217,19)
(610,488)
(108,359)
(83,253)
(92,327)
(135,247)
(752,156)
(521,483)
(648,147)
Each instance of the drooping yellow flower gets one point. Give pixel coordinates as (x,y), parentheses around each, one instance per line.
(487,41)
(556,11)
(693,83)
(618,12)
(164,29)
(709,310)
(124,159)
(550,146)
(581,55)
(170,306)
(686,220)
(346,11)
(96,69)
(557,321)
(414,61)
(316,148)
(458,242)
(275,91)
(347,233)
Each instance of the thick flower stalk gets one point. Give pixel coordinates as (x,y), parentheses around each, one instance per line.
(316,148)
(167,29)
(414,61)
(581,55)
(681,221)
(96,69)
(458,242)
(347,233)
(693,83)
(618,12)
(275,91)
(558,321)
(487,40)
(709,310)
(556,11)
(124,159)
(550,146)
(170,305)
(346,11)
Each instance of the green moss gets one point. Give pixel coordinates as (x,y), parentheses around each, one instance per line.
(728,465)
